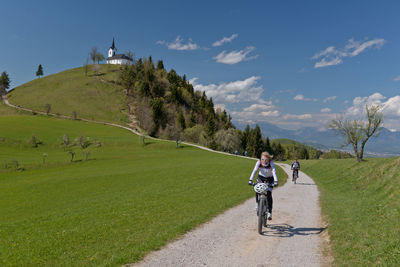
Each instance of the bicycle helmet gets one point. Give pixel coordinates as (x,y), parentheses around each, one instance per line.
(260,187)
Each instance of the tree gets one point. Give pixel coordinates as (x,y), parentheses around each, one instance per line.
(99,57)
(357,132)
(39,71)
(4,83)
(93,54)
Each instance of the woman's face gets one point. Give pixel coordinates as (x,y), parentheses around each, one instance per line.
(264,160)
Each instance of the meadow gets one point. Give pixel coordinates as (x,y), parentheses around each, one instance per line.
(361,204)
(90,95)
(126,199)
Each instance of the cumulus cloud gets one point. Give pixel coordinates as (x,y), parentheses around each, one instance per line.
(390,108)
(326,110)
(301,97)
(225,40)
(332,56)
(247,90)
(257,113)
(297,117)
(235,56)
(178,44)
(329,98)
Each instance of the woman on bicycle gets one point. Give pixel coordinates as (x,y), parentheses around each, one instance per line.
(266,174)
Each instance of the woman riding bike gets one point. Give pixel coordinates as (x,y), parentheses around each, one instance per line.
(266,174)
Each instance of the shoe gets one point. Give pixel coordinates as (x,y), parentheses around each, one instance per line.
(269,216)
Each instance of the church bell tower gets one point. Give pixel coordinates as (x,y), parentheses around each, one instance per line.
(111,50)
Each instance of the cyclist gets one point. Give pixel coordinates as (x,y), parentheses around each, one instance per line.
(266,174)
(295,168)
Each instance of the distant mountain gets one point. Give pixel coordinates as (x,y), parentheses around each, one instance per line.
(387,144)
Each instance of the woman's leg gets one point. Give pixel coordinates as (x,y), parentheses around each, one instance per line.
(270,201)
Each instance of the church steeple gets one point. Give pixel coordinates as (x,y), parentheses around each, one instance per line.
(113,45)
(111,50)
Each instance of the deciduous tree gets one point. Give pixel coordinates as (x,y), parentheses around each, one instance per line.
(357,132)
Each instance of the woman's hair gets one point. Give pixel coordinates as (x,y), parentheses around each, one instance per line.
(266,154)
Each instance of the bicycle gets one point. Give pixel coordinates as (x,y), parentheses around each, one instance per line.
(295,176)
(262,211)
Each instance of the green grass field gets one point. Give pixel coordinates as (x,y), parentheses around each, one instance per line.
(361,204)
(127,199)
(91,96)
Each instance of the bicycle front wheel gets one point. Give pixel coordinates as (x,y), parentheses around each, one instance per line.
(261,213)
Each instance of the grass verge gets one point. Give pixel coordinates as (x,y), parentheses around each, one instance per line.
(361,202)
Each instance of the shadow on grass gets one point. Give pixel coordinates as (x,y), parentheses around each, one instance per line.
(286,230)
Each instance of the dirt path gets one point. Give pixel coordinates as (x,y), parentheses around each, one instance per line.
(293,238)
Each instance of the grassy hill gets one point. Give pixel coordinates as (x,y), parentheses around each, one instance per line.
(91,96)
(361,204)
(125,200)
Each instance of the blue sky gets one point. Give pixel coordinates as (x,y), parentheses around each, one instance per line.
(291,63)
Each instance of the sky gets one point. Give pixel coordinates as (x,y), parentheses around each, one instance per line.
(290,63)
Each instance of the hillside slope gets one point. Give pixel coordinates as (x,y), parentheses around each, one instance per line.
(361,202)
(92,96)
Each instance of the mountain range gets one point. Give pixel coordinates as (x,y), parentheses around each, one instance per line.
(387,144)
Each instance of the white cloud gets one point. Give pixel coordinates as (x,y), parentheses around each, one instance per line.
(297,117)
(256,113)
(332,56)
(329,98)
(325,63)
(247,90)
(390,108)
(235,56)
(326,110)
(360,47)
(397,78)
(225,40)
(178,45)
(301,97)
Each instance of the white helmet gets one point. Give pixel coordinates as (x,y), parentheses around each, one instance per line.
(260,187)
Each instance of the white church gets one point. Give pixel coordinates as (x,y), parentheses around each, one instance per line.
(119,59)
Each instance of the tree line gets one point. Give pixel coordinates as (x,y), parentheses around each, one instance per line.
(167,106)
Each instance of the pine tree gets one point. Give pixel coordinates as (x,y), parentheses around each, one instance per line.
(39,71)
(4,83)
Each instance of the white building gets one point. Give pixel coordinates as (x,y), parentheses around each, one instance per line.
(117,58)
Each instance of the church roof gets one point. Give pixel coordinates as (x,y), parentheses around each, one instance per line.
(113,45)
(120,56)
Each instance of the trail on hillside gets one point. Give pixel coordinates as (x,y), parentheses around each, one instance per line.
(295,237)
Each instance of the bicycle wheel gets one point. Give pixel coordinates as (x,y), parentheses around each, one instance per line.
(295,178)
(265,213)
(261,217)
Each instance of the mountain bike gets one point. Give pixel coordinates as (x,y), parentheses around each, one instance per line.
(262,211)
(295,175)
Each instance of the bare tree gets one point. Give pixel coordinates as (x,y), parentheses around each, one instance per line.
(99,57)
(93,54)
(357,132)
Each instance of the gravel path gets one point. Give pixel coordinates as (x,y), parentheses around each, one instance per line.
(295,236)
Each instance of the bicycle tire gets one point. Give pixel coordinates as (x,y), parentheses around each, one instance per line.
(260,215)
(265,213)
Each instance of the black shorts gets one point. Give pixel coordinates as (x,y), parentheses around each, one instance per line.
(262,179)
